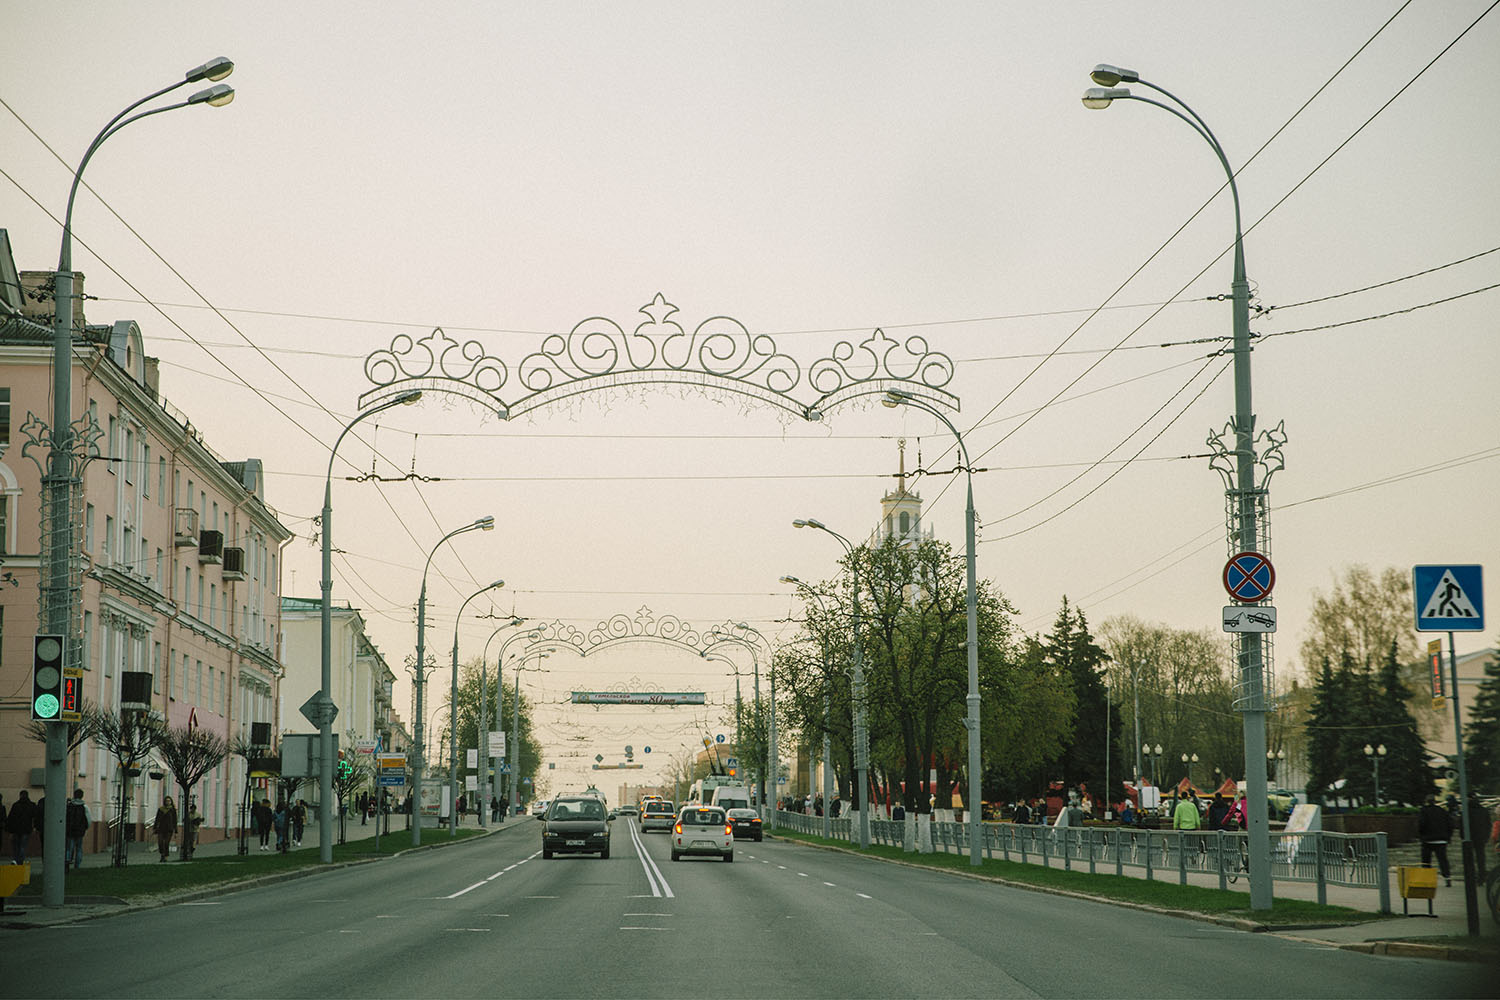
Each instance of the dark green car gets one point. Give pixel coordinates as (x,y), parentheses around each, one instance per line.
(576,825)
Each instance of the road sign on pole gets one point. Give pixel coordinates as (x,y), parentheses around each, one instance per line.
(1239,618)
(1249,577)
(1448,598)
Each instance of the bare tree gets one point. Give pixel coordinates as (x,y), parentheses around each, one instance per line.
(129,737)
(190,753)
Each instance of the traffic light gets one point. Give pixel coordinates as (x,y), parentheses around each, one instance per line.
(47,678)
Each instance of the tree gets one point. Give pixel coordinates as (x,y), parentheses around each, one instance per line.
(523,753)
(128,737)
(1183,683)
(189,753)
(1482,733)
(1404,774)
(1027,721)
(1360,619)
(1324,766)
(1070,650)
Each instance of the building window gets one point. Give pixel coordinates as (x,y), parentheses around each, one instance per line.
(156,668)
(161,482)
(88,528)
(145,469)
(905,523)
(160,568)
(109,447)
(129,456)
(4,416)
(88,639)
(109,529)
(198,686)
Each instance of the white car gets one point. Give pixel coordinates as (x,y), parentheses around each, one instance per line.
(539,808)
(703,830)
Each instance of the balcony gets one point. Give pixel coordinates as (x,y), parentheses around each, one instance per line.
(185,527)
(210,546)
(234,563)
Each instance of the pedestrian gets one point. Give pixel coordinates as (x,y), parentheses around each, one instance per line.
(1186,815)
(364,807)
(899,813)
(281,820)
(77,821)
(1238,817)
(190,824)
(19,823)
(1218,811)
(459,814)
(818,805)
(1479,832)
(299,822)
(838,804)
(164,826)
(1434,829)
(504,809)
(1127,815)
(260,816)
(1022,813)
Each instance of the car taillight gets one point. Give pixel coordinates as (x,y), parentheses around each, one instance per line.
(729,828)
(677,828)
(755,820)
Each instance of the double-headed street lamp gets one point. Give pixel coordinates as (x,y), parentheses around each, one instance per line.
(65,463)
(861,737)
(1243,530)
(486,523)
(453,716)
(827,739)
(515,770)
(1153,755)
(1374,755)
(898,397)
(1188,760)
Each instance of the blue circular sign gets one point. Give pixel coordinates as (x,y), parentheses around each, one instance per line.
(646,749)
(719,738)
(1249,577)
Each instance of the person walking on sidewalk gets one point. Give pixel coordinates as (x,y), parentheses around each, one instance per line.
(1434,829)
(164,826)
(18,823)
(77,825)
(299,822)
(261,814)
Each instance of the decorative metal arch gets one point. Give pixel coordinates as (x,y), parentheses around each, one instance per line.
(644,625)
(720,353)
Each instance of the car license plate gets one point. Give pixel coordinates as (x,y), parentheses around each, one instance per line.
(575,843)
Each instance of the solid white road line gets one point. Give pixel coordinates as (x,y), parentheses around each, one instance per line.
(654,876)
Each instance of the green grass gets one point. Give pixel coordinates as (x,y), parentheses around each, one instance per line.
(1119,888)
(145,876)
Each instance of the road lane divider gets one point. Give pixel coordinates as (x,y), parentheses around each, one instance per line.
(654,876)
(489,878)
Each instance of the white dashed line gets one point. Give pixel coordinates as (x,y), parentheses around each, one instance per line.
(830,884)
(802,874)
(862,895)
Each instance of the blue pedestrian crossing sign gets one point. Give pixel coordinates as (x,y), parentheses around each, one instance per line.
(1448,598)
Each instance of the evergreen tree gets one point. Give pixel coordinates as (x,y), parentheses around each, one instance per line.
(1482,733)
(1072,651)
(1404,775)
(1360,725)
(1324,721)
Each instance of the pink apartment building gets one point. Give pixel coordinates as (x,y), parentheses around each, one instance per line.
(180,562)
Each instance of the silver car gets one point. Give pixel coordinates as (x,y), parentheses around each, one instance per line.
(657,815)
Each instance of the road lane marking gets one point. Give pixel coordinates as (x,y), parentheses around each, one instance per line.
(488,878)
(654,877)
(206,903)
(802,874)
(863,896)
(830,884)
(645,928)
(649,914)
(541,897)
(468,930)
(782,867)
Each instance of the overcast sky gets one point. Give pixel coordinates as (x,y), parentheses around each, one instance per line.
(814,171)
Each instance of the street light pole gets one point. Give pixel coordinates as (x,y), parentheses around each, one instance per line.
(325,715)
(1243,530)
(827,740)
(64,470)
(861,737)
(515,771)
(486,523)
(898,397)
(1373,755)
(453,717)
(484,753)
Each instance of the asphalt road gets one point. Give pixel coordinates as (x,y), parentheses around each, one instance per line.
(491,918)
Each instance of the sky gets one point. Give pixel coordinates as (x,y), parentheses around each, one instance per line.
(814,171)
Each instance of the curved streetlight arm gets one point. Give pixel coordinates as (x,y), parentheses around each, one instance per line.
(453,712)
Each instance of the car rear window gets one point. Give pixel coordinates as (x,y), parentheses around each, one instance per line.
(661,808)
(701,817)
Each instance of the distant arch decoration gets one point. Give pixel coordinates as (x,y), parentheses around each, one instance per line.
(720,353)
(643,625)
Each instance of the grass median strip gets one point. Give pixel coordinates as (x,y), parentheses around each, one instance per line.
(145,877)
(1118,888)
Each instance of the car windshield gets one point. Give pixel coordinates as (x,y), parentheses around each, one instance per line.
(701,817)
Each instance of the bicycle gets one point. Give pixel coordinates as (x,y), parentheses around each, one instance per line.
(1243,864)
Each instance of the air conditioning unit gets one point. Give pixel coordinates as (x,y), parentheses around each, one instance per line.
(210,546)
(185,527)
(234,563)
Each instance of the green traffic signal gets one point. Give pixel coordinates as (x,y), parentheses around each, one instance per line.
(47,678)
